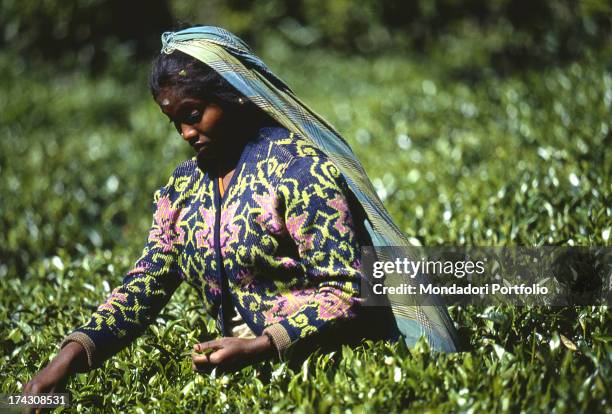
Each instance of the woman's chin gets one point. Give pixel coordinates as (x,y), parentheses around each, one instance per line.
(205,154)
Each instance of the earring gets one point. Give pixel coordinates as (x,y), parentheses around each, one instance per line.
(241,101)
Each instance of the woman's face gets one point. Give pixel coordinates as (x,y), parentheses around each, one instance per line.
(200,123)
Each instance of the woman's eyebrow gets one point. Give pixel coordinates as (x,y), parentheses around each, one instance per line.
(189,101)
(182,110)
(186,106)
(178,108)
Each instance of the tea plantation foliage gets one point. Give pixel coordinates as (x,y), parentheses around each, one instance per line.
(482,159)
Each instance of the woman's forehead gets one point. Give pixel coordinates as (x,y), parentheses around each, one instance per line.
(174,97)
(168,96)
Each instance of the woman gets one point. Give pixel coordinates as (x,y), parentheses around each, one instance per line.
(265,222)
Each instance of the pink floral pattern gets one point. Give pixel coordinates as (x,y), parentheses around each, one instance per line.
(268,202)
(333,303)
(229,230)
(342,222)
(165,231)
(287,304)
(295,227)
(140,267)
(213,285)
(204,236)
(116,296)
(246,279)
(288,262)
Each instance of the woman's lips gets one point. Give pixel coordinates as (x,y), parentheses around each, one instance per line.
(205,150)
(199,146)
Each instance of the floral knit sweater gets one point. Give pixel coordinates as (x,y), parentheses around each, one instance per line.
(280,246)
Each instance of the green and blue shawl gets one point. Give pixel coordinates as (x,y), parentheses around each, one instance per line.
(233,59)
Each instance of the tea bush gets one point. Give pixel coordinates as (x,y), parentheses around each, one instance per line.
(515,160)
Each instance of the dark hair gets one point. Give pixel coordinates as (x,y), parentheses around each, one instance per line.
(192,77)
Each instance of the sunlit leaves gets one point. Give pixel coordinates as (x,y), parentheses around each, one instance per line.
(514,160)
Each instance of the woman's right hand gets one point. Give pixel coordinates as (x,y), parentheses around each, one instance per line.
(53,378)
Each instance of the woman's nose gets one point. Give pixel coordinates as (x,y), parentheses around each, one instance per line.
(188,132)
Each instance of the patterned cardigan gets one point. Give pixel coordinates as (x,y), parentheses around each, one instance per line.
(280,246)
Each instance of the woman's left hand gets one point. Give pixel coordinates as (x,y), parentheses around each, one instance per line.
(230,354)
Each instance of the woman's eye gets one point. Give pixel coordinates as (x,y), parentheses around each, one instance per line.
(194,117)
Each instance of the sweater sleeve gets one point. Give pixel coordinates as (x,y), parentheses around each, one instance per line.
(319,221)
(145,289)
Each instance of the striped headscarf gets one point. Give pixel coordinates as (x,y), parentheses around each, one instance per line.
(232,58)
